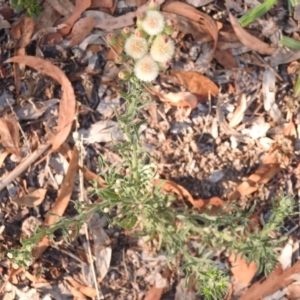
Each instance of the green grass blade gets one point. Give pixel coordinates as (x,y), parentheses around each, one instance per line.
(256,12)
(294,2)
(297,87)
(290,43)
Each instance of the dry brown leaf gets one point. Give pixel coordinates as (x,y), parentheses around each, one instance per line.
(80,7)
(47,17)
(102,3)
(86,290)
(81,29)
(21,33)
(125,20)
(34,279)
(156,292)
(249,40)
(9,132)
(138,3)
(64,7)
(242,271)
(189,27)
(91,176)
(293,291)
(269,167)
(67,104)
(195,82)
(183,99)
(7,12)
(3,154)
(239,111)
(170,186)
(61,203)
(278,279)
(207,24)
(226,58)
(34,198)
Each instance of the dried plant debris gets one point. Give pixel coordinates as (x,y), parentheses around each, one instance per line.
(149,150)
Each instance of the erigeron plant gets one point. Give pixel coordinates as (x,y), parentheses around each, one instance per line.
(132,202)
(31,7)
(149,48)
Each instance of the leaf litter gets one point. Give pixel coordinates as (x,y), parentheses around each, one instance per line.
(257,107)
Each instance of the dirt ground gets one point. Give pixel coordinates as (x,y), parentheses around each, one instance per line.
(219,110)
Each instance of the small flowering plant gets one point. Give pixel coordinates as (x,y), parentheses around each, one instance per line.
(149,48)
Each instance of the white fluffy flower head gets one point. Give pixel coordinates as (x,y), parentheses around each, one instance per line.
(136,47)
(153,23)
(146,69)
(162,48)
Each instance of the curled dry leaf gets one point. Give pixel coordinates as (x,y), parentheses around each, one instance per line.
(208,25)
(81,29)
(278,279)
(61,203)
(67,104)
(34,198)
(195,82)
(172,187)
(64,7)
(80,7)
(242,271)
(271,164)
(249,40)
(239,112)
(183,99)
(9,132)
(86,290)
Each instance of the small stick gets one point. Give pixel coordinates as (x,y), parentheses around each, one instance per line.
(21,167)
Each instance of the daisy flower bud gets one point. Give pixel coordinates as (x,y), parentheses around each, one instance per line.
(146,69)
(153,5)
(162,48)
(111,39)
(140,33)
(153,23)
(136,47)
(139,19)
(124,75)
(126,32)
(120,59)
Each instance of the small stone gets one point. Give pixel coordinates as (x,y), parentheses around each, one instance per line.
(216,176)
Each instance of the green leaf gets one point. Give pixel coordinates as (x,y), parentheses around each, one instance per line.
(290,43)
(297,87)
(129,222)
(256,12)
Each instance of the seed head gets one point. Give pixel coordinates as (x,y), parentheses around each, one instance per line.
(136,47)
(162,48)
(146,69)
(153,23)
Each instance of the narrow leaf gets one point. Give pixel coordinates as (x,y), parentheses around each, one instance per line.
(256,12)
(289,42)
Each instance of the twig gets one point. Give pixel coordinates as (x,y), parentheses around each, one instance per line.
(24,165)
(81,185)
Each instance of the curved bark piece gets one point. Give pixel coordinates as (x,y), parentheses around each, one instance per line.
(67,107)
(249,40)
